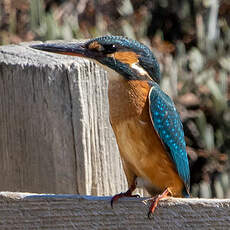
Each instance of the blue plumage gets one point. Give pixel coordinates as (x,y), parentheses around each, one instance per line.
(167,123)
(146,58)
(164,116)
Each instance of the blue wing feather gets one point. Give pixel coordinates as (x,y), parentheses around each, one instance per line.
(168,125)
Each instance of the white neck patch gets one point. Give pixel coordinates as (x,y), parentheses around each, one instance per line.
(140,70)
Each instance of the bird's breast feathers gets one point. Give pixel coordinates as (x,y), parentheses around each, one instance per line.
(138,142)
(128,99)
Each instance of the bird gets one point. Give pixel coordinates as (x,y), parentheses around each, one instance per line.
(146,124)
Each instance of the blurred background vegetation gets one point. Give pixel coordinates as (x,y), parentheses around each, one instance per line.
(191,39)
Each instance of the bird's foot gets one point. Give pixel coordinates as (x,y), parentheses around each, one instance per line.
(123,194)
(155,200)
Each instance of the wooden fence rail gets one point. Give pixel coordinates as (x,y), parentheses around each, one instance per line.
(34,211)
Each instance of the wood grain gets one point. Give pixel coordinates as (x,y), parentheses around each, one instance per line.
(34,211)
(55,135)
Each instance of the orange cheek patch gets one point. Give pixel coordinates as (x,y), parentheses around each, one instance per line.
(126,57)
(95,46)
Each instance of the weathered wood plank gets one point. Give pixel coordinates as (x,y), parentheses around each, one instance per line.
(55,135)
(34,211)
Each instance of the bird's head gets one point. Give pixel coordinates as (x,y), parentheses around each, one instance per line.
(129,58)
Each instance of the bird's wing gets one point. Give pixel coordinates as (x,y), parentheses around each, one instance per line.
(167,123)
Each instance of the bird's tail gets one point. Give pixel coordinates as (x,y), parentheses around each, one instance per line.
(186,193)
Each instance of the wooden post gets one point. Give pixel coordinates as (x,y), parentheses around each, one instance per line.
(55,135)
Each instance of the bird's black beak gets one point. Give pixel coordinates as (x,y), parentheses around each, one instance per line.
(73,49)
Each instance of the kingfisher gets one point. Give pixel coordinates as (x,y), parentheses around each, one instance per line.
(146,124)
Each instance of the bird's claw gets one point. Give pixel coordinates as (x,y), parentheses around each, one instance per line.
(149,214)
(153,205)
(152,208)
(122,194)
(137,196)
(155,201)
(116,197)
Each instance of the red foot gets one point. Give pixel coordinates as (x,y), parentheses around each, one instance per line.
(123,194)
(156,201)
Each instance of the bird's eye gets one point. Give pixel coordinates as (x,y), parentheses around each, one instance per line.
(105,49)
(108,49)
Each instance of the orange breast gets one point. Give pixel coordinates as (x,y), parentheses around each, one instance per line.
(138,142)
